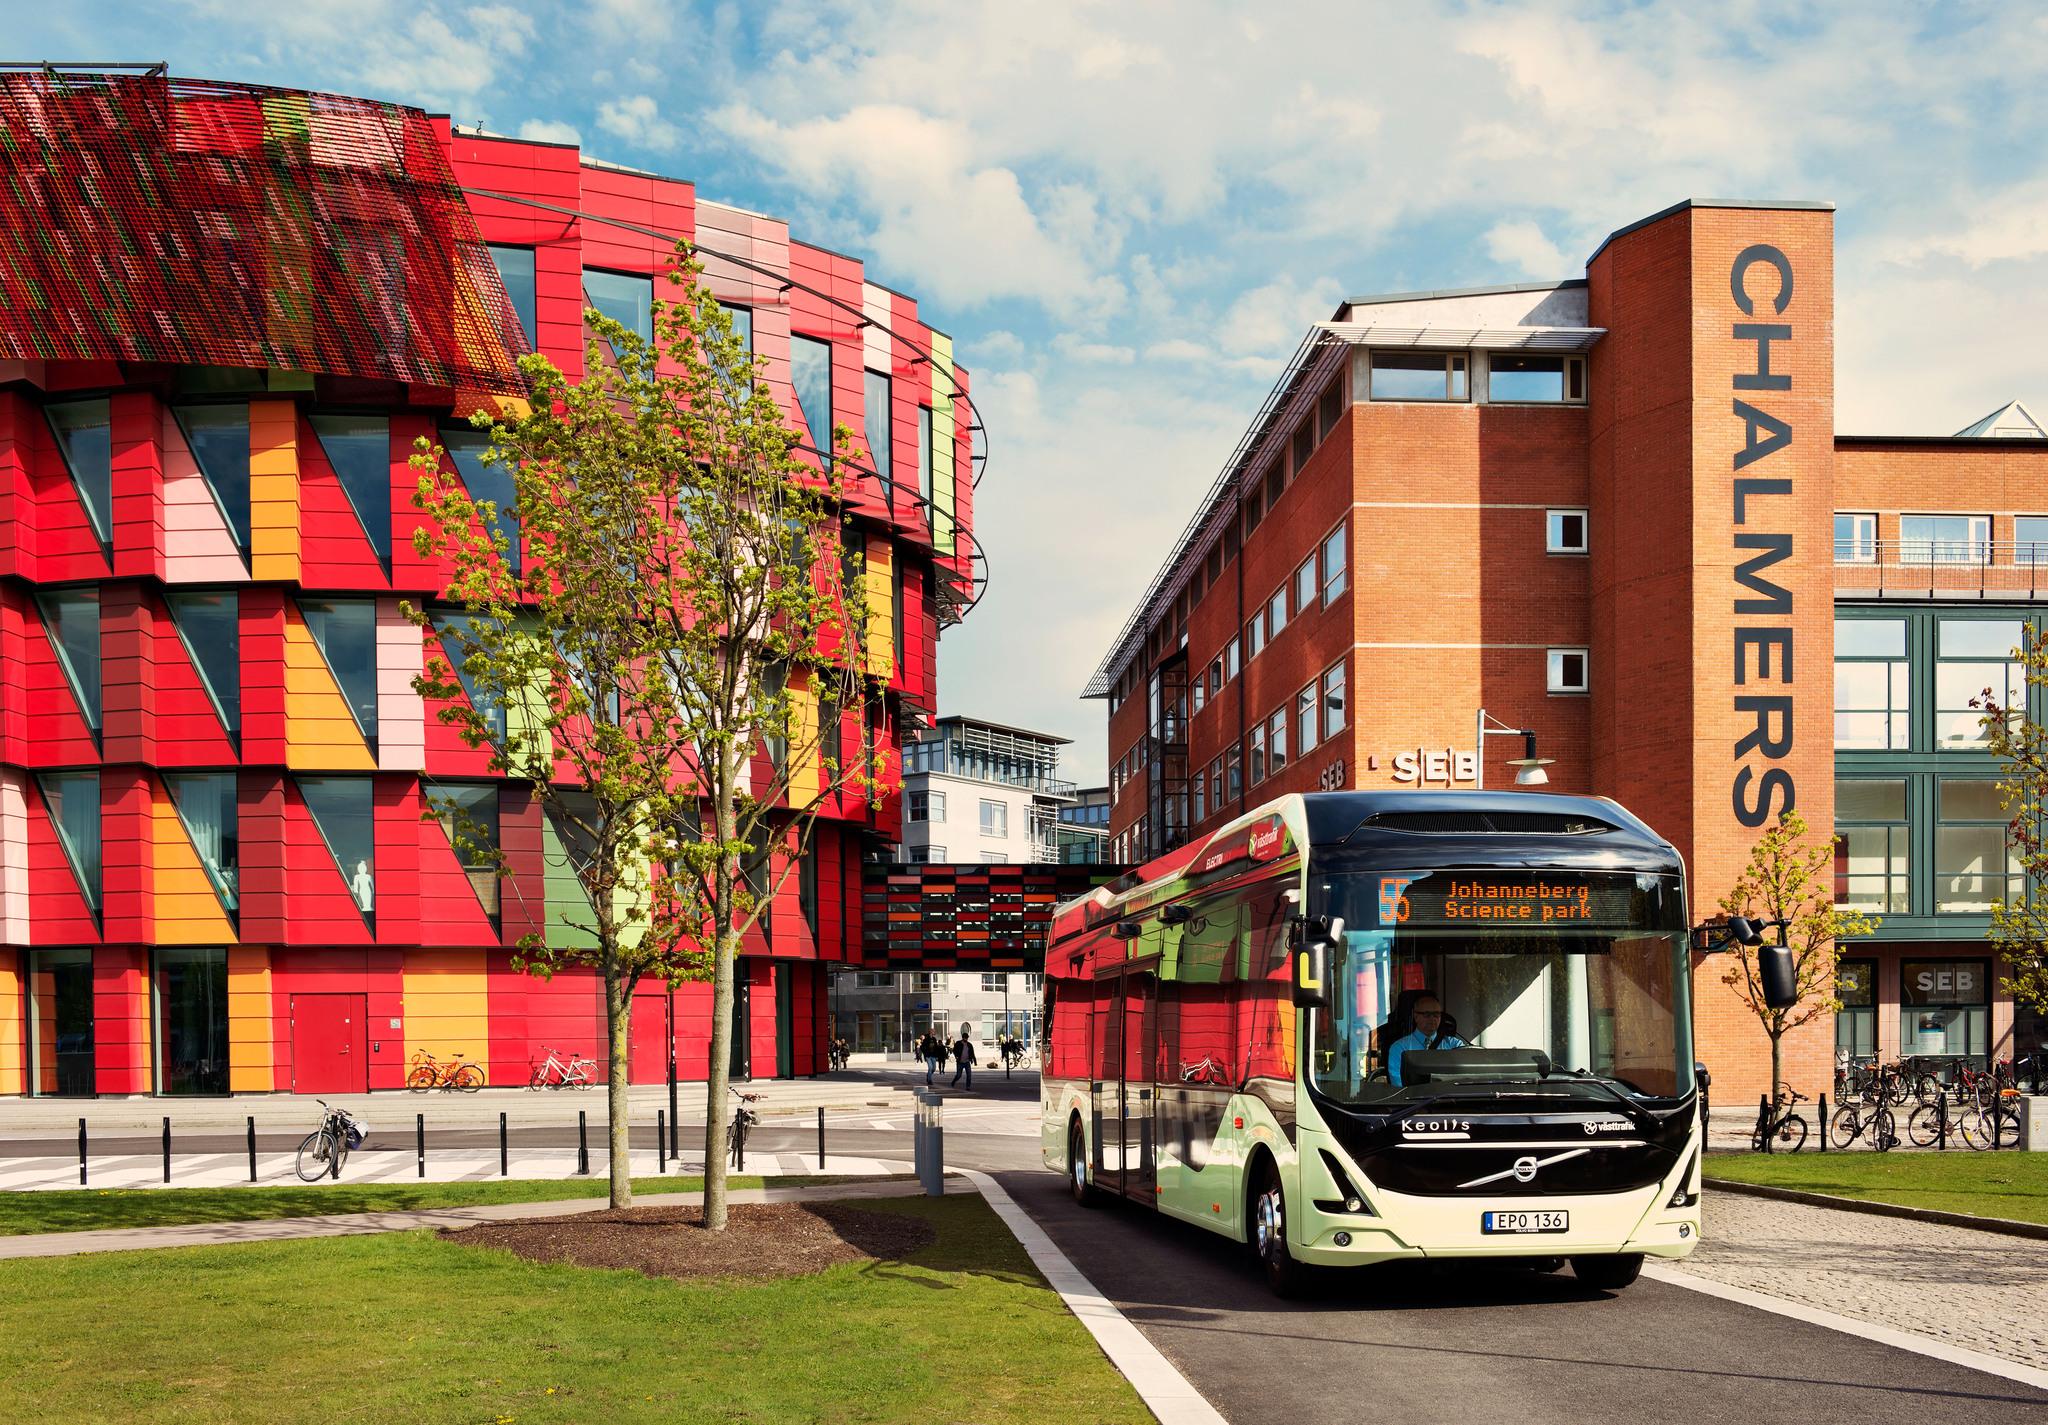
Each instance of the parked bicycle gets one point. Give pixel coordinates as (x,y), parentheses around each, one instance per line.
(327,1147)
(1995,1124)
(1782,1127)
(1854,1120)
(426,1072)
(558,1073)
(739,1126)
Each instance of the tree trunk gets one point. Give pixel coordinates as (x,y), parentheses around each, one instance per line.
(1777,1063)
(618,1016)
(724,947)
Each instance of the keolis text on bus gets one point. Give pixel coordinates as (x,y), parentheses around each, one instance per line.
(1763,651)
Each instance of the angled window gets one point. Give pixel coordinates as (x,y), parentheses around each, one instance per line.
(359,450)
(469,814)
(71,618)
(626,297)
(85,436)
(742,324)
(73,799)
(345,631)
(484,701)
(515,269)
(344,810)
(810,373)
(209,625)
(879,418)
(807,887)
(487,480)
(219,438)
(206,805)
(924,457)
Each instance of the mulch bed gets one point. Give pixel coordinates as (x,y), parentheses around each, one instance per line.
(761,1239)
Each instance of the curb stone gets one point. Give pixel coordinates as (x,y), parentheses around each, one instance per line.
(2005,1225)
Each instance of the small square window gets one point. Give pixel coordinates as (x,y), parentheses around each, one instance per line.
(1564,531)
(1567,670)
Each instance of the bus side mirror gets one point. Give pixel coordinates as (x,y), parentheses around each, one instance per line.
(1312,962)
(1774,969)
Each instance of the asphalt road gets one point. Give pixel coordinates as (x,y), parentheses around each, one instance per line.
(1401,1344)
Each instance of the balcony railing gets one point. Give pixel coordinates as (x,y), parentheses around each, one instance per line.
(1942,569)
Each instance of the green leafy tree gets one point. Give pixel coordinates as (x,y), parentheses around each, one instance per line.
(645,632)
(1790,881)
(2019,929)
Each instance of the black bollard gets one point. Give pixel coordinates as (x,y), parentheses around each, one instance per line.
(1823,1123)
(252,1147)
(81,1152)
(821,1137)
(582,1145)
(660,1141)
(1941,1122)
(504,1150)
(1763,1120)
(419,1128)
(167,1150)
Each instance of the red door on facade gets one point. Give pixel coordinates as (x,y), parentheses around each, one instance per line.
(647,1042)
(330,1044)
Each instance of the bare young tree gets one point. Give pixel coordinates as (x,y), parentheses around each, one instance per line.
(650,617)
(1790,881)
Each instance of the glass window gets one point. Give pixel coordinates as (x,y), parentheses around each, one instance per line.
(1254,507)
(469,814)
(1873,689)
(924,457)
(1335,569)
(1566,670)
(1944,1008)
(1305,586)
(190,990)
(1512,376)
(206,805)
(1231,661)
(1201,692)
(515,270)
(1304,445)
(1255,753)
(810,373)
(345,630)
(1873,852)
(742,324)
(1276,613)
(1201,799)
(85,438)
(358,448)
(1233,773)
(1418,376)
(1276,741)
(1856,1022)
(1973,657)
(1329,408)
(343,809)
(876,400)
(487,480)
(1855,539)
(60,1022)
(1333,702)
(1974,862)
(73,799)
(928,806)
(484,700)
(2030,539)
(71,618)
(209,625)
(626,297)
(1305,720)
(1254,635)
(219,440)
(1564,531)
(995,818)
(994,858)
(1945,539)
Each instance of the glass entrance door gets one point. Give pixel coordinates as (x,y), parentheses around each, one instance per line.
(61,1023)
(190,988)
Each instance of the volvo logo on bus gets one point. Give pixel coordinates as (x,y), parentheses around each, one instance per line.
(1525,1170)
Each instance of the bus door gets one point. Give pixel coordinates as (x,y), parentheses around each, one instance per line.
(1140,1014)
(1105,1080)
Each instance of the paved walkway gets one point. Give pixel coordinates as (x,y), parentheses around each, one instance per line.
(1977,1290)
(353,1224)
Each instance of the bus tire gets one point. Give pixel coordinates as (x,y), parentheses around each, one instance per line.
(1084,1192)
(1266,1230)
(1610,1272)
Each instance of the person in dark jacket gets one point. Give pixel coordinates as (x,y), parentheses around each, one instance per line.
(963,1060)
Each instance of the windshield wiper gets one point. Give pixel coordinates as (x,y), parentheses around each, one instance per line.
(1632,1109)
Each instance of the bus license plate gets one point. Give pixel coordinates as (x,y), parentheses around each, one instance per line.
(1524,1221)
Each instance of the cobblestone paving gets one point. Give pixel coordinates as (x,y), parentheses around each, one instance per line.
(1978,1290)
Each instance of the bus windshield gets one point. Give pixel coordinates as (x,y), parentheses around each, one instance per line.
(1455,979)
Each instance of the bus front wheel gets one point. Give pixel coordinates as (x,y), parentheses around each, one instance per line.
(1608,1273)
(1268,1232)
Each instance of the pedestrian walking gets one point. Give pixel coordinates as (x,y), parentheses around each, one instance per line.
(933,1053)
(963,1060)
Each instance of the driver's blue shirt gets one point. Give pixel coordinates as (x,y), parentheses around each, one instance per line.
(1416,1040)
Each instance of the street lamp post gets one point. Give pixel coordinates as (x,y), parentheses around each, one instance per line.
(1528,767)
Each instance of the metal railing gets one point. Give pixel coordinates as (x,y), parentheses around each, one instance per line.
(1941,569)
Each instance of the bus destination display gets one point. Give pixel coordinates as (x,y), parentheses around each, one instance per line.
(1464,900)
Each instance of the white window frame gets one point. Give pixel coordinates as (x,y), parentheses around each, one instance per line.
(989,804)
(1305,586)
(932,801)
(1276,613)
(1572,373)
(1978,541)
(1554,678)
(1553,531)
(1306,719)
(1333,587)
(1323,689)
(1863,543)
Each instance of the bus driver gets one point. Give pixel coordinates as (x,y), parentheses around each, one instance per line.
(1428,1017)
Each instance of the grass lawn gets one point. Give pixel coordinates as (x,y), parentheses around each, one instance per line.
(87,1209)
(409,1327)
(2002,1184)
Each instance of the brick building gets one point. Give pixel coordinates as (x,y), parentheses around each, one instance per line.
(230,311)
(1614,511)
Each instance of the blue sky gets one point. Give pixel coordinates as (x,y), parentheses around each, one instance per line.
(1127,213)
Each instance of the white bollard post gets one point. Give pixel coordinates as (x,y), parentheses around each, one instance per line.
(2033,1123)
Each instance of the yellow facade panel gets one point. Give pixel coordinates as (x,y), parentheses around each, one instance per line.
(252,1064)
(273,490)
(448,1005)
(183,902)
(13,1052)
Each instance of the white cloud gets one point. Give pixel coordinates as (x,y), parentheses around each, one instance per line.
(1523,246)
(549,131)
(637,120)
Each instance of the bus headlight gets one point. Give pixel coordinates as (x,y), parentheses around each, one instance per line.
(1685,1196)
